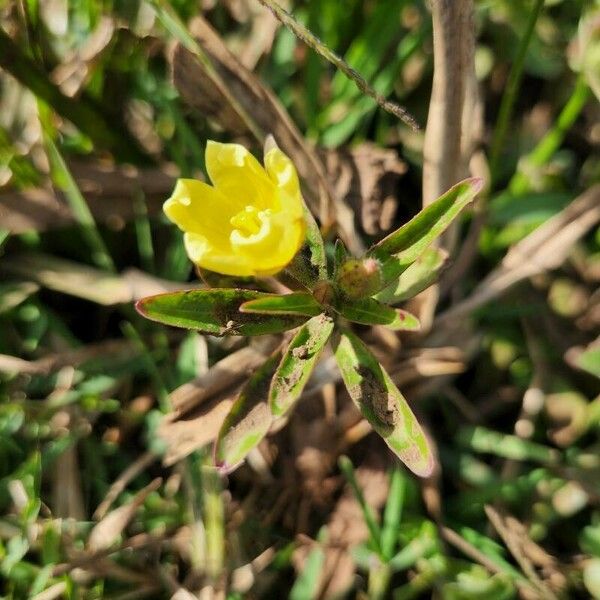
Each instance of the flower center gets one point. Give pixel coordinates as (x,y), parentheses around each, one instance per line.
(248,221)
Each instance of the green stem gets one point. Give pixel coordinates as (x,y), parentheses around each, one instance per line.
(153,371)
(552,141)
(393,513)
(379,580)
(512,88)
(214,522)
(63,180)
(375,532)
(143,232)
(80,112)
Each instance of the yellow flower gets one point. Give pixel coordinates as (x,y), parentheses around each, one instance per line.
(250,221)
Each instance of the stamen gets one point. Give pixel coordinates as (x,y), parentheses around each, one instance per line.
(248,221)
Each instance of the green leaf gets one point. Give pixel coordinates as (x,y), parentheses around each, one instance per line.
(64,180)
(481,439)
(476,582)
(315,243)
(589,539)
(392,515)
(16,548)
(402,247)
(298,363)
(430,223)
(297,303)
(310,264)
(347,468)
(14,293)
(248,420)
(215,312)
(368,311)
(382,404)
(417,277)
(589,359)
(306,586)
(404,321)
(425,544)
(41,581)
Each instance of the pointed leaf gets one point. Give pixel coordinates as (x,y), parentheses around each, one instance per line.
(429,223)
(402,247)
(404,321)
(417,277)
(297,303)
(248,420)
(310,264)
(586,359)
(368,311)
(298,363)
(314,240)
(214,311)
(382,404)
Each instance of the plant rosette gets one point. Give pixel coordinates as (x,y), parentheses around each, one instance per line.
(252,221)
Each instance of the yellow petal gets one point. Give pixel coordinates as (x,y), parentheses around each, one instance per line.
(273,246)
(282,172)
(202,253)
(237,174)
(250,222)
(196,207)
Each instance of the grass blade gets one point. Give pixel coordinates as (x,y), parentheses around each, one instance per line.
(62,178)
(393,513)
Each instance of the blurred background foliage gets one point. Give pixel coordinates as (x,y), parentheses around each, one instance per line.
(94,129)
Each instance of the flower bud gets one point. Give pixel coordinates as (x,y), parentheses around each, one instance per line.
(250,221)
(359,277)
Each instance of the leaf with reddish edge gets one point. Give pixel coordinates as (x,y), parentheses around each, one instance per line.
(382,404)
(215,312)
(402,247)
(368,311)
(404,321)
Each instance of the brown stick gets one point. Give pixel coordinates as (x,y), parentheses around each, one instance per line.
(449,131)
(453,48)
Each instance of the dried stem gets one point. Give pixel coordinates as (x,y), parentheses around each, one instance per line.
(453,47)
(450,122)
